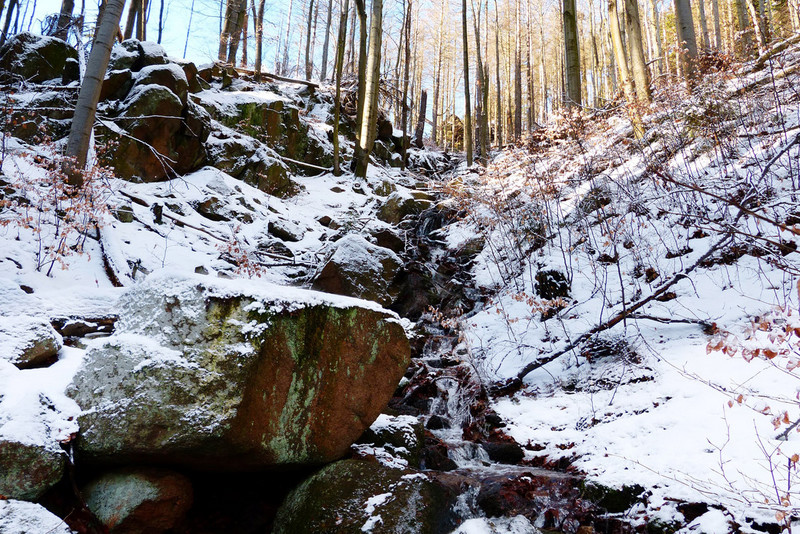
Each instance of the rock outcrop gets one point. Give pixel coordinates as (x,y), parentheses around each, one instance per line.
(34,58)
(205,372)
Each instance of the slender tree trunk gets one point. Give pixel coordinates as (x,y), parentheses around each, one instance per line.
(81,131)
(309,65)
(259,29)
(499,97)
(467,105)
(641,75)
(686,38)
(188,29)
(657,36)
(324,68)
(337,102)
(362,62)
(133,12)
(619,52)
(368,125)
(11,6)
(64,19)
(284,70)
(141,26)
(743,40)
(481,89)
(404,104)
(759,26)
(701,12)
(517,75)
(572,63)
(717,26)
(419,132)
(437,81)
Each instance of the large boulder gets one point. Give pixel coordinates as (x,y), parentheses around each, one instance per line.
(19,517)
(28,341)
(28,470)
(358,268)
(139,501)
(206,372)
(170,76)
(35,58)
(156,120)
(401,204)
(354,496)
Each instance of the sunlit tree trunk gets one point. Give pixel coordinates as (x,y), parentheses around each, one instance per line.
(337,103)
(467,105)
(620,57)
(259,28)
(641,75)
(368,125)
(572,62)
(704,37)
(64,19)
(499,98)
(326,43)
(684,25)
(284,70)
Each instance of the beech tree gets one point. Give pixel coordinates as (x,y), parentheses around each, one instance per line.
(82,122)
(369,121)
(572,62)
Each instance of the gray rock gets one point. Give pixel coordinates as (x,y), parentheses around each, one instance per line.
(27,471)
(28,341)
(399,205)
(204,371)
(357,268)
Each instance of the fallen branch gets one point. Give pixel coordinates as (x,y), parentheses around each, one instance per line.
(271,76)
(303,163)
(623,315)
(780,153)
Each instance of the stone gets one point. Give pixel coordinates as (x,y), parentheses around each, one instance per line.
(248,161)
(402,436)
(116,85)
(551,284)
(354,496)
(71,72)
(205,372)
(285,230)
(192,78)
(27,471)
(20,517)
(357,268)
(504,452)
(139,500)
(34,58)
(170,76)
(28,341)
(399,205)
(124,55)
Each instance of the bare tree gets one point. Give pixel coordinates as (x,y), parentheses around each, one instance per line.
(572,62)
(337,102)
(467,105)
(641,75)
(369,122)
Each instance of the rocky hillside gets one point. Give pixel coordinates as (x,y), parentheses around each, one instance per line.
(216,334)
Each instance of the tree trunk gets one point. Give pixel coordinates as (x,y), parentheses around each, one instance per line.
(517,77)
(284,70)
(11,5)
(759,26)
(437,79)
(239,18)
(467,105)
(684,25)
(362,63)
(324,68)
(704,38)
(481,90)
(133,12)
(423,103)
(717,26)
(404,104)
(498,98)
(81,131)
(369,123)
(638,62)
(309,65)
(64,19)
(337,102)
(620,57)
(572,62)
(657,36)
(258,21)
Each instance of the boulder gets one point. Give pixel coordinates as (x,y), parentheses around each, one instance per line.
(170,76)
(27,471)
(116,85)
(399,205)
(28,341)
(20,517)
(135,55)
(246,160)
(34,58)
(156,119)
(354,496)
(139,501)
(207,372)
(357,268)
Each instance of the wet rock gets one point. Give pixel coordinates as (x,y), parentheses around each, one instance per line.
(551,284)
(402,436)
(612,500)
(354,496)
(28,341)
(20,517)
(27,471)
(34,58)
(388,238)
(357,268)
(436,422)
(208,372)
(434,454)
(139,501)
(399,205)
(504,452)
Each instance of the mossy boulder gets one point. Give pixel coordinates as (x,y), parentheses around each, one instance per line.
(27,470)
(252,163)
(139,500)
(354,496)
(170,76)
(204,373)
(357,268)
(35,58)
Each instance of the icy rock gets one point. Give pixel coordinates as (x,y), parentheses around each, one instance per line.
(19,517)
(357,268)
(354,496)
(139,501)
(205,371)
(28,341)
(34,58)
(27,471)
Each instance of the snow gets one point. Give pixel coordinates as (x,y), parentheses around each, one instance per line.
(497,525)
(20,517)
